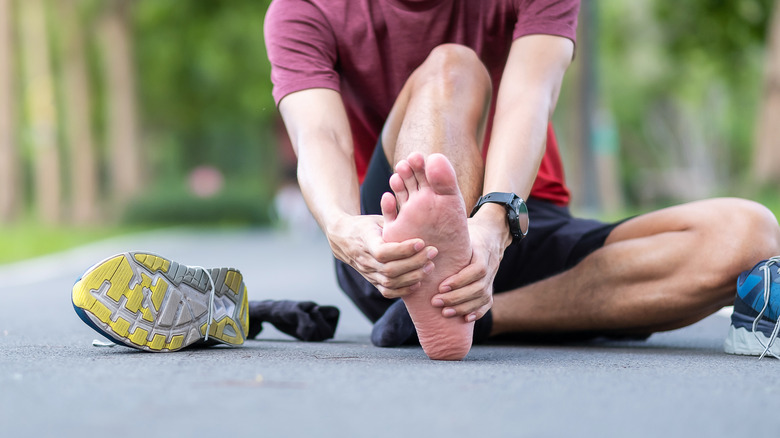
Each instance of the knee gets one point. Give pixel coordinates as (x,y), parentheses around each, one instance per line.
(451,69)
(746,232)
(754,229)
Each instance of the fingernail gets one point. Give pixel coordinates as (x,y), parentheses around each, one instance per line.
(432,253)
(428,268)
(414,287)
(419,246)
(438,302)
(471,317)
(448,312)
(445,289)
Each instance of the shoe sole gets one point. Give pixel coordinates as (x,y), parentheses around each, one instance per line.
(742,341)
(148,302)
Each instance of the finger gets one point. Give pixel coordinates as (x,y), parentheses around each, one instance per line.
(408,280)
(466,276)
(473,291)
(474,316)
(389,207)
(403,273)
(399,188)
(391,251)
(398,293)
(468,307)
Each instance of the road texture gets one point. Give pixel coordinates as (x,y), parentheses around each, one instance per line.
(53,382)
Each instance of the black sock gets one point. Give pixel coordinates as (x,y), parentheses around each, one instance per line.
(394,328)
(304,320)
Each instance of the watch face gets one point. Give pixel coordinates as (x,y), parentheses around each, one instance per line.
(522,216)
(521,210)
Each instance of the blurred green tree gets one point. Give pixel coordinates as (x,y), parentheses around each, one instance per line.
(41,116)
(767,157)
(82,156)
(205,88)
(682,83)
(10,193)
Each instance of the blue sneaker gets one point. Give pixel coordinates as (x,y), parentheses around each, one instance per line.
(755,323)
(145,301)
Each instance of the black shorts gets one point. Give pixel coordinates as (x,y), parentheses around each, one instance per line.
(556,241)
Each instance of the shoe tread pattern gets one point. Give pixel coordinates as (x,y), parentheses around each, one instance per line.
(149,302)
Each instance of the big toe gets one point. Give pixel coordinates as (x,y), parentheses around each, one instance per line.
(441,175)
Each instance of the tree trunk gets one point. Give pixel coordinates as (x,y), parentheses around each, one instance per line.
(766,163)
(9,157)
(83,177)
(122,134)
(41,109)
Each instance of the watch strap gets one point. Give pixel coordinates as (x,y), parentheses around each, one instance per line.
(516,211)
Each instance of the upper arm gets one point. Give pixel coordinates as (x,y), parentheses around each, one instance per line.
(542,49)
(316,116)
(301,47)
(539,59)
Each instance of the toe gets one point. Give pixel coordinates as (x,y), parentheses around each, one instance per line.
(389,208)
(399,188)
(441,175)
(404,170)
(417,163)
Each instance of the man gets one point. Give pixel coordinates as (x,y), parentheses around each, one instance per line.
(433,86)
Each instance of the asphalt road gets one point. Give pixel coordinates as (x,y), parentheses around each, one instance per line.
(53,382)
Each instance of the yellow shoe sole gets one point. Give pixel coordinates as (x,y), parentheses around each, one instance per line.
(148,302)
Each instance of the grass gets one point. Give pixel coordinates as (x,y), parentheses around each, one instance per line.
(26,240)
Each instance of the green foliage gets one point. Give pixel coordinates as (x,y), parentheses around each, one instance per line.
(238,203)
(29,239)
(670,71)
(205,98)
(722,32)
(204,82)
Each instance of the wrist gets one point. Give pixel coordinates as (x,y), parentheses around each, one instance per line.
(339,228)
(493,217)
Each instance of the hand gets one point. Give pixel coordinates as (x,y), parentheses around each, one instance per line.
(469,293)
(395,269)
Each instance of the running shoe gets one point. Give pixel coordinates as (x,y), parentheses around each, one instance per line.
(754,322)
(148,302)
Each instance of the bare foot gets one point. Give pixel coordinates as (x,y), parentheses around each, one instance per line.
(431,207)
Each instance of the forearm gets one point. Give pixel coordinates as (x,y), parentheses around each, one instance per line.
(328,181)
(517,144)
(526,100)
(319,131)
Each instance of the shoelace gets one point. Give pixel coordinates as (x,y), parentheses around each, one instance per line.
(211,299)
(765,269)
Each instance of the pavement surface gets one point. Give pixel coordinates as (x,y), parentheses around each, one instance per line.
(53,382)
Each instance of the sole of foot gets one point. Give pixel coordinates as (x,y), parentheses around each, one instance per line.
(428,205)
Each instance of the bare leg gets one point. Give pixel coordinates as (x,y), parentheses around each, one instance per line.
(442,109)
(431,207)
(660,271)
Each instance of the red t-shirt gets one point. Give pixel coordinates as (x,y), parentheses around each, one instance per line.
(367,49)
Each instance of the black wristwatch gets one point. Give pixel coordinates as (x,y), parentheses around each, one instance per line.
(516,212)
